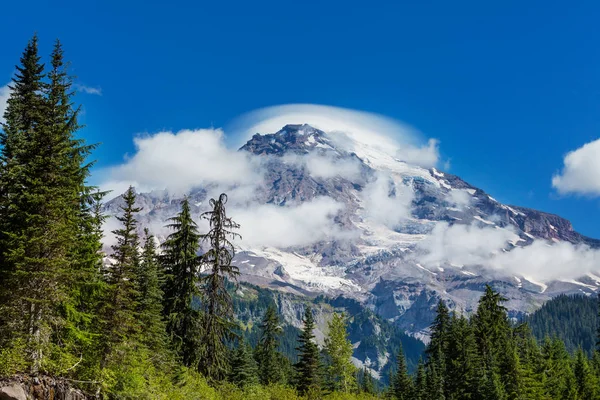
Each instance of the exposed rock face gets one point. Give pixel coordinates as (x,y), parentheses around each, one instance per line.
(24,387)
(379,265)
(13,392)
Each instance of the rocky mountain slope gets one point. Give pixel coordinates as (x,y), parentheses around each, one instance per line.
(388,222)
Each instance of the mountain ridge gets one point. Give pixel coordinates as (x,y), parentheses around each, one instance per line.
(381,212)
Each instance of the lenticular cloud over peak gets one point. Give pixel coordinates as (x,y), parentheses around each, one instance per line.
(370,135)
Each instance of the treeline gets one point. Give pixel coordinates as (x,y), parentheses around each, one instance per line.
(573,319)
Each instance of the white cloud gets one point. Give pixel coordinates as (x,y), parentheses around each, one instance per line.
(181,161)
(459,198)
(4,94)
(88,89)
(288,226)
(474,245)
(581,171)
(371,136)
(387,201)
(325,166)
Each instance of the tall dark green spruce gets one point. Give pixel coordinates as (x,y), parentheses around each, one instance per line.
(120,309)
(42,180)
(308,378)
(181,266)
(269,368)
(243,371)
(403,388)
(23,114)
(217,319)
(151,296)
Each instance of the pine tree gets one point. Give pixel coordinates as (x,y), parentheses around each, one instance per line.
(151,296)
(308,365)
(243,371)
(439,335)
(218,324)
(338,348)
(181,266)
(267,355)
(121,324)
(403,389)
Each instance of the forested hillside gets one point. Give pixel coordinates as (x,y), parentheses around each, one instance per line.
(572,319)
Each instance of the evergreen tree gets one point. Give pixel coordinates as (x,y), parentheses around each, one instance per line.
(462,376)
(366,383)
(218,324)
(151,296)
(439,334)
(43,199)
(587,384)
(269,368)
(403,389)
(420,385)
(243,371)
(338,348)
(434,380)
(491,327)
(121,325)
(308,365)
(181,266)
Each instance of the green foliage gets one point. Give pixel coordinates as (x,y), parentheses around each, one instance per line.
(217,318)
(308,379)
(181,266)
(341,373)
(243,370)
(572,319)
(270,369)
(120,309)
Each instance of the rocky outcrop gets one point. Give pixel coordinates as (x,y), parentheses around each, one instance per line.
(25,387)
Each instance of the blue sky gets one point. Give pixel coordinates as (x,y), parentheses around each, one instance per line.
(507,87)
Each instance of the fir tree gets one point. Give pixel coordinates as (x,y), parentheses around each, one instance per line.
(462,377)
(243,371)
(151,296)
(420,385)
(403,389)
(121,323)
(218,325)
(366,383)
(338,348)
(269,369)
(308,365)
(587,384)
(181,266)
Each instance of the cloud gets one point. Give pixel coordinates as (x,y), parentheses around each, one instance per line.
(289,226)
(387,201)
(88,89)
(459,198)
(4,94)
(326,166)
(581,171)
(474,245)
(371,136)
(179,162)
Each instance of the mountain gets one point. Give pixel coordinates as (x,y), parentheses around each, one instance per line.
(371,227)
